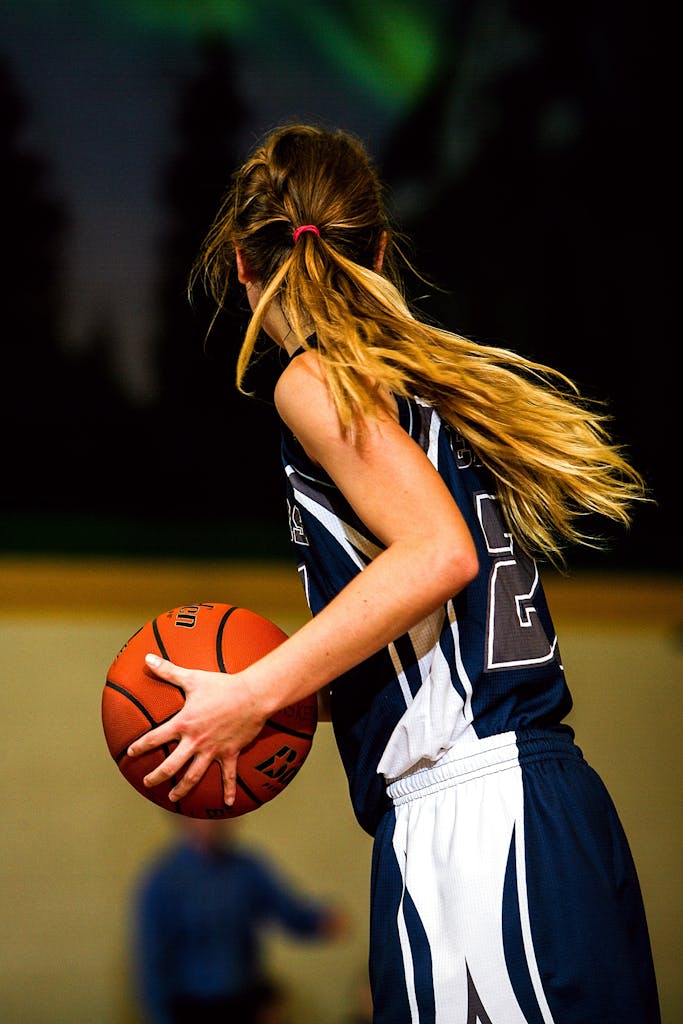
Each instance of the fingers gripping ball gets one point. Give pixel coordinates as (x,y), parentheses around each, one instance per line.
(216,637)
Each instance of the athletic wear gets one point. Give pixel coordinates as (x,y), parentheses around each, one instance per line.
(503,890)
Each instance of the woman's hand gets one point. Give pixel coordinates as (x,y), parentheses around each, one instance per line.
(220,716)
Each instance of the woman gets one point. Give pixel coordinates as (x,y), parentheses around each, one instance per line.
(424,474)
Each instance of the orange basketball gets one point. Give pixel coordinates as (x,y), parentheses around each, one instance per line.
(217,637)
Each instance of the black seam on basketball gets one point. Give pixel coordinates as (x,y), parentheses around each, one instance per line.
(160,642)
(219,638)
(133,699)
(252,796)
(141,707)
(290,732)
(164,654)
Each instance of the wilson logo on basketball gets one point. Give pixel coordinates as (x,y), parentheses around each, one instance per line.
(187,615)
(281,766)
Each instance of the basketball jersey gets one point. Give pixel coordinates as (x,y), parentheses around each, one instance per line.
(486,663)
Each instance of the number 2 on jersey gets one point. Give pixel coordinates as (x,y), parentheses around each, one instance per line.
(514,636)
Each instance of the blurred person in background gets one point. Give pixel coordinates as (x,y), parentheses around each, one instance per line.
(200,911)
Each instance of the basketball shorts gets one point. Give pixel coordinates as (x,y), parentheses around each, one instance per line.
(504,892)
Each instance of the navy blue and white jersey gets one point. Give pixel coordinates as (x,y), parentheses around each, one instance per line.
(486,663)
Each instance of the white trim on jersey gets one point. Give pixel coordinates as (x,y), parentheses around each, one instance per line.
(400,674)
(437,717)
(348,538)
(464,678)
(434,434)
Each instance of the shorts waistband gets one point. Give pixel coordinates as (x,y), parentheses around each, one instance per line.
(483,757)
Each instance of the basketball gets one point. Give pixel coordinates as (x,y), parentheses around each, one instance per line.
(217,637)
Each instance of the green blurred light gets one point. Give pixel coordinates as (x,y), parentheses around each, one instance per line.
(192,17)
(387,48)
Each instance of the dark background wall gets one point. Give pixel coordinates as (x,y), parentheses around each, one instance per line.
(523,149)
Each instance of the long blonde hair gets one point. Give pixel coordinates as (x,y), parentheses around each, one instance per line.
(548,449)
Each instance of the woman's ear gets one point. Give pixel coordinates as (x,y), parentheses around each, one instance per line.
(244,273)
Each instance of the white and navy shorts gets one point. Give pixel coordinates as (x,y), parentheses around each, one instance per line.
(504,892)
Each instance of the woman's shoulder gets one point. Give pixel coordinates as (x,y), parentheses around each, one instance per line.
(301,383)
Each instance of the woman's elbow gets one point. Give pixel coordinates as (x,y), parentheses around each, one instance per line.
(456,569)
(464,568)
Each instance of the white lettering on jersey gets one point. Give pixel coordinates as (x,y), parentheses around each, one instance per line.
(296,526)
(515,636)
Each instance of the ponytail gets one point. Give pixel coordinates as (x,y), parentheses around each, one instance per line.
(308,214)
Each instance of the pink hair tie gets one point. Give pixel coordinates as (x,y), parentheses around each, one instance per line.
(304,227)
